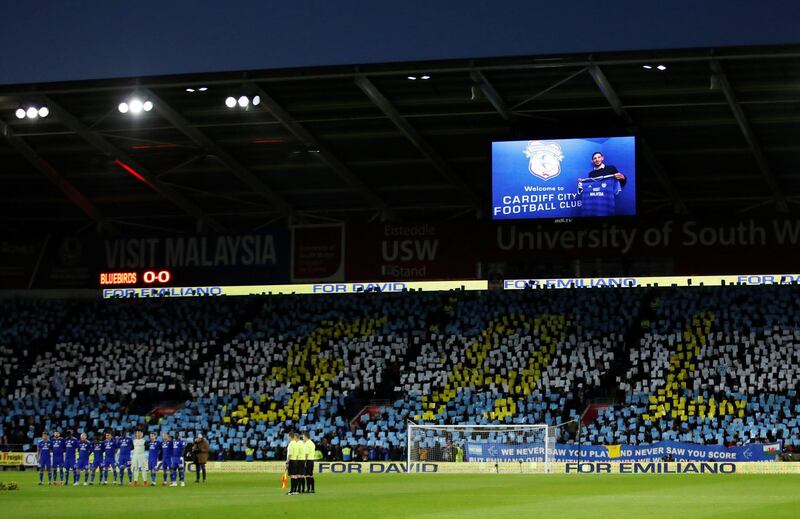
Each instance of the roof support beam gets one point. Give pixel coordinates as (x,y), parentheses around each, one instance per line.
(237,168)
(749,136)
(491,94)
(416,139)
(323,152)
(72,193)
(123,160)
(647,152)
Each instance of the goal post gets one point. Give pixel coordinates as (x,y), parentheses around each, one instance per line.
(512,448)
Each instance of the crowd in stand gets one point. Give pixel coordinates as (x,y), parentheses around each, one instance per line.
(705,365)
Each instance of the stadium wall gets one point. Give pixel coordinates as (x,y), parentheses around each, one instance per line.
(407,252)
(622,468)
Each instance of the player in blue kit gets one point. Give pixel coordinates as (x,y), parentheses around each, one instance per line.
(109,458)
(58,458)
(125,444)
(177,460)
(153,452)
(44,449)
(97,460)
(166,456)
(84,450)
(70,448)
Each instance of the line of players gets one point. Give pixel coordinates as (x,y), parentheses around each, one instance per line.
(61,457)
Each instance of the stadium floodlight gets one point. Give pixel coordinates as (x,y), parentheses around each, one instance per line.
(425,77)
(20,113)
(412,78)
(44,111)
(202,89)
(190,90)
(230,101)
(243,101)
(136,106)
(648,67)
(662,68)
(256,100)
(32,113)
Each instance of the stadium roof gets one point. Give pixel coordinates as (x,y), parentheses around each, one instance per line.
(718,130)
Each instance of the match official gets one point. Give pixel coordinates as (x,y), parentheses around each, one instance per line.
(309,449)
(294,465)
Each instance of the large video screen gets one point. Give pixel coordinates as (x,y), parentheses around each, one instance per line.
(564,178)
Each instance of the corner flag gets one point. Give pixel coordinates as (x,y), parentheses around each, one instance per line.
(283,480)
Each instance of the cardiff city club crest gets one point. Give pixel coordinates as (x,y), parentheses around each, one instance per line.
(545,159)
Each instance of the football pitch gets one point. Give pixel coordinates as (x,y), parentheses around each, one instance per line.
(419,496)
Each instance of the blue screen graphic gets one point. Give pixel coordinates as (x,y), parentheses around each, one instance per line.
(564,178)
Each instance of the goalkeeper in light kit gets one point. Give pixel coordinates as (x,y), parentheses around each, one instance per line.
(309,449)
(139,460)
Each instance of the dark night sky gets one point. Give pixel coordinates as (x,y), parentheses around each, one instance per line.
(50,40)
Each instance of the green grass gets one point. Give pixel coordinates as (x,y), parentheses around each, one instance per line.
(420,496)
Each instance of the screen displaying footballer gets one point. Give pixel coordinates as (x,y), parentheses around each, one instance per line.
(564,178)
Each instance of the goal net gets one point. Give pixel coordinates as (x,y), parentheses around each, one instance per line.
(518,448)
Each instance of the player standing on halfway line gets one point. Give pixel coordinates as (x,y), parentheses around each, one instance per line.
(177,461)
(293,465)
(109,457)
(166,456)
(153,452)
(97,460)
(70,448)
(139,459)
(58,458)
(310,450)
(125,444)
(45,455)
(84,450)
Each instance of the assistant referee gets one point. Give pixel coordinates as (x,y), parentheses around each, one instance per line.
(309,449)
(295,459)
